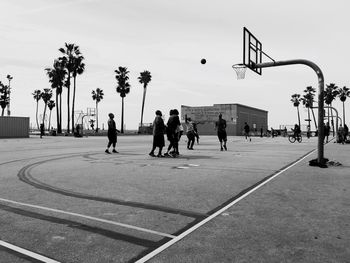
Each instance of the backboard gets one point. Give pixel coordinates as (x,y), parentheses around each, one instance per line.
(252,51)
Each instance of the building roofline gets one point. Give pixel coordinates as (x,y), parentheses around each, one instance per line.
(233,104)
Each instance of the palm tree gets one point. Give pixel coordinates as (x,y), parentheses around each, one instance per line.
(37,96)
(78,69)
(123,88)
(56,75)
(51,105)
(4,97)
(330,94)
(46,95)
(144,78)
(97,95)
(308,101)
(343,93)
(296,102)
(69,52)
(9,78)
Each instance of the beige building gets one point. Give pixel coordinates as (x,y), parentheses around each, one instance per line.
(234,114)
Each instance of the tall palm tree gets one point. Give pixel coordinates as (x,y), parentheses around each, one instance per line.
(97,95)
(4,97)
(123,88)
(46,96)
(144,78)
(69,52)
(330,94)
(37,96)
(296,102)
(343,93)
(78,69)
(50,105)
(9,78)
(57,75)
(308,101)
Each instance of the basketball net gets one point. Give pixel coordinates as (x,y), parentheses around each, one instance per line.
(240,70)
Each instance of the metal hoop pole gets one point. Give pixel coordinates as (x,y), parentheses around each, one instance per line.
(320,155)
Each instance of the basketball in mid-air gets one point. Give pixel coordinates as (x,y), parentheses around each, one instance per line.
(203,61)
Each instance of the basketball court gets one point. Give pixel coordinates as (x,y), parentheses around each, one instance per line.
(64,200)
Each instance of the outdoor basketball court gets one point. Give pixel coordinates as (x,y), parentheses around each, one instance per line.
(64,200)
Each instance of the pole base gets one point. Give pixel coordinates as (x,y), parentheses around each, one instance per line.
(322,164)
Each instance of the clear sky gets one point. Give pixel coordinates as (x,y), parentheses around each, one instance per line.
(169,38)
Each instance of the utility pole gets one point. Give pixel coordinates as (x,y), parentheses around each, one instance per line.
(9,77)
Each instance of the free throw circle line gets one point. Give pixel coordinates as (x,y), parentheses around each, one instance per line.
(209,218)
(90,217)
(27,252)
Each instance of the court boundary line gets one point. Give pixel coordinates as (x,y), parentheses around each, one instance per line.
(214,215)
(27,252)
(141,229)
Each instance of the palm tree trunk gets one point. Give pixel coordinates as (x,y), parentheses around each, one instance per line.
(60,125)
(332,119)
(68,104)
(143,103)
(343,113)
(44,115)
(48,128)
(57,111)
(36,115)
(313,115)
(308,117)
(96,116)
(298,116)
(2,112)
(122,124)
(73,103)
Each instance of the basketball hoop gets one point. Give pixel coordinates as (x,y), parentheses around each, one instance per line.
(240,70)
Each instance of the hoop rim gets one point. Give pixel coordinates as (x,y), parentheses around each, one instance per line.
(240,65)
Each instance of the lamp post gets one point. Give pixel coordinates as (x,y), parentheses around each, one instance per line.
(9,77)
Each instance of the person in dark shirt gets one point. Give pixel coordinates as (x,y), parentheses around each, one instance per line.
(158,134)
(220,126)
(173,133)
(111,133)
(247,131)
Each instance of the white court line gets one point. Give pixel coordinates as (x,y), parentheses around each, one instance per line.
(27,252)
(90,217)
(209,218)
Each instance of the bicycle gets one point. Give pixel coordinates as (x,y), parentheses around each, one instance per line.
(292,138)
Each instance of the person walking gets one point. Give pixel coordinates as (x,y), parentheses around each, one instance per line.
(112,134)
(220,126)
(195,129)
(173,132)
(327,130)
(346,132)
(42,130)
(247,131)
(190,133)
(158,134)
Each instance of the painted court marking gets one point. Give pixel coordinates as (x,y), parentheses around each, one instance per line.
(90,217)
(209,218)
(27,252)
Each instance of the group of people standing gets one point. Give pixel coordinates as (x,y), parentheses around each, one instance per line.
(173,130)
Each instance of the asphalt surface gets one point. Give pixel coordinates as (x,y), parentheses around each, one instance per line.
(66,200)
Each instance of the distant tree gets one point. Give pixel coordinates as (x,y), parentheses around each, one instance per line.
(69,53)
(4,97)
(97,95)
(123,88)
(37,97)
(343,93)
(57,75)
(330,94)
(46,96)
(50,105)
(296,102)
(308,102)
(144,78)
(78,69)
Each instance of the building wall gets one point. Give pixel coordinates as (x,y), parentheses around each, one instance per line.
(234,114)
(14,127)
